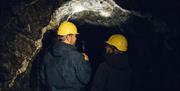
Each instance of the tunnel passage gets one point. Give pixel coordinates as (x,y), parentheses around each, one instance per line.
(20,17)
(93,37)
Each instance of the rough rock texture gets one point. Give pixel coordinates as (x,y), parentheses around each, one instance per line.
(23,20)
(21,26)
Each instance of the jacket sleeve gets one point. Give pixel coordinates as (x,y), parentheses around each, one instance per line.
(100,78)
(82,69)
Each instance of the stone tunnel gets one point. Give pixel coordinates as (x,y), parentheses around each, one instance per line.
(151,27)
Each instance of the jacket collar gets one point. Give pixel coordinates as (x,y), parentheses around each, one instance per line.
(60,48)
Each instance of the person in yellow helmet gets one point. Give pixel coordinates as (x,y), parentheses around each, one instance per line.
(63,67)
(114,74)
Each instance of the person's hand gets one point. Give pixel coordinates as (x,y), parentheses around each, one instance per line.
(86,58)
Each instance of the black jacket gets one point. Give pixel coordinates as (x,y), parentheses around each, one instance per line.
(114,74)
(64,69)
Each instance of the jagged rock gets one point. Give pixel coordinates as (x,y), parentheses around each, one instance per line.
(22,32)
(21,28)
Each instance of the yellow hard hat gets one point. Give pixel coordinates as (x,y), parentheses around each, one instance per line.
(67,28)
(118,41)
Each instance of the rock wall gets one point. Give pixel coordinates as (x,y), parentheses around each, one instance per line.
(22,22)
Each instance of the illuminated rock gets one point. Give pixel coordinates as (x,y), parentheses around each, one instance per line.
(24,24)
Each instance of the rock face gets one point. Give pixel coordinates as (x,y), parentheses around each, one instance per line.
(25,22)
(22,22)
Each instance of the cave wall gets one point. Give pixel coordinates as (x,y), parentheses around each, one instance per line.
(21,24)
(22,21)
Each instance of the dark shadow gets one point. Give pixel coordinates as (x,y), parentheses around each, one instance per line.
(35,68)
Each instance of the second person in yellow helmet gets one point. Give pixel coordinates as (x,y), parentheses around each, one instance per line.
(63,67)
(114,74)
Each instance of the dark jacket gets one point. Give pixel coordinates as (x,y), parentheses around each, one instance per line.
(64,69)
(114,74)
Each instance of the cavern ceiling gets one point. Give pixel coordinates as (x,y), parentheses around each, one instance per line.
(24,23)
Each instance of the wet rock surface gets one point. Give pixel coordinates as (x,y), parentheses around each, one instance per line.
(22,22)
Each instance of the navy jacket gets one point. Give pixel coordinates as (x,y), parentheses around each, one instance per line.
(64,69)
(114,74)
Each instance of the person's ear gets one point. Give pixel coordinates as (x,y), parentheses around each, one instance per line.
(68,38)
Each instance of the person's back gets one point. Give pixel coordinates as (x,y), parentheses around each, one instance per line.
(114,74)
(64,68)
